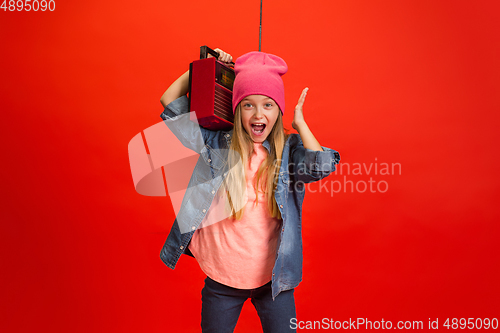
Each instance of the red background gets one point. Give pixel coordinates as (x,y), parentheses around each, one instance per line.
(409,82)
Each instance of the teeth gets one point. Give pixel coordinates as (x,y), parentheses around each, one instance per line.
(258,127)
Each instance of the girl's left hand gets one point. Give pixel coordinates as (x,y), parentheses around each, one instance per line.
(223,56)
(298,117)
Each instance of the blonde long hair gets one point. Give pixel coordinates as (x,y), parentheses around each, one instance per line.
(241,149)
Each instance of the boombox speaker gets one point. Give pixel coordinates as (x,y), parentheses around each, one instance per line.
(210,91)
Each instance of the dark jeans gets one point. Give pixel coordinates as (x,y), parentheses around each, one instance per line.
(221,307)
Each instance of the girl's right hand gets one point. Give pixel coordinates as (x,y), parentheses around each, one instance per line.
(223,56)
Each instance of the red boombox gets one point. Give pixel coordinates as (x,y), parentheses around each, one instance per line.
(211,91)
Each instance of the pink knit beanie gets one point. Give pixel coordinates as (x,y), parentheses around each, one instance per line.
(259,73)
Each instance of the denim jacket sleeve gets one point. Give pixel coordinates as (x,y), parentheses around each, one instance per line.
(310,165)
(176,116)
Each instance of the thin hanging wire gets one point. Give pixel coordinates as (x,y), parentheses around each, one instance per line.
(260,27)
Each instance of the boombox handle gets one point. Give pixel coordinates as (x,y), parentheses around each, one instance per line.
(205,50)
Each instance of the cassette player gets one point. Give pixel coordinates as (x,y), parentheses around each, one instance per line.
(211,91)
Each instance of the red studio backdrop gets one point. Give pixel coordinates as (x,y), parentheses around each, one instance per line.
(407,91)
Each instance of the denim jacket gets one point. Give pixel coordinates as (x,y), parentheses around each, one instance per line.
(299,165)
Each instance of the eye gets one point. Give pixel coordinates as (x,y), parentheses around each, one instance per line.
(269,105)
(247,105)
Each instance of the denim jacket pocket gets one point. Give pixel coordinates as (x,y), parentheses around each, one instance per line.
(209,164)
(284,183)
(211,157)
(285,177)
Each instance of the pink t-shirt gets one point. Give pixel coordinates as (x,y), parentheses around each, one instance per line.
(239,254)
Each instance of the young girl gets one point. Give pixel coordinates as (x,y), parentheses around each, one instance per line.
(241,214)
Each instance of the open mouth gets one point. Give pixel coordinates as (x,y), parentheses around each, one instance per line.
(258,129)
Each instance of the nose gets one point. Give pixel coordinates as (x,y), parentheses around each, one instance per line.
(259,113)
